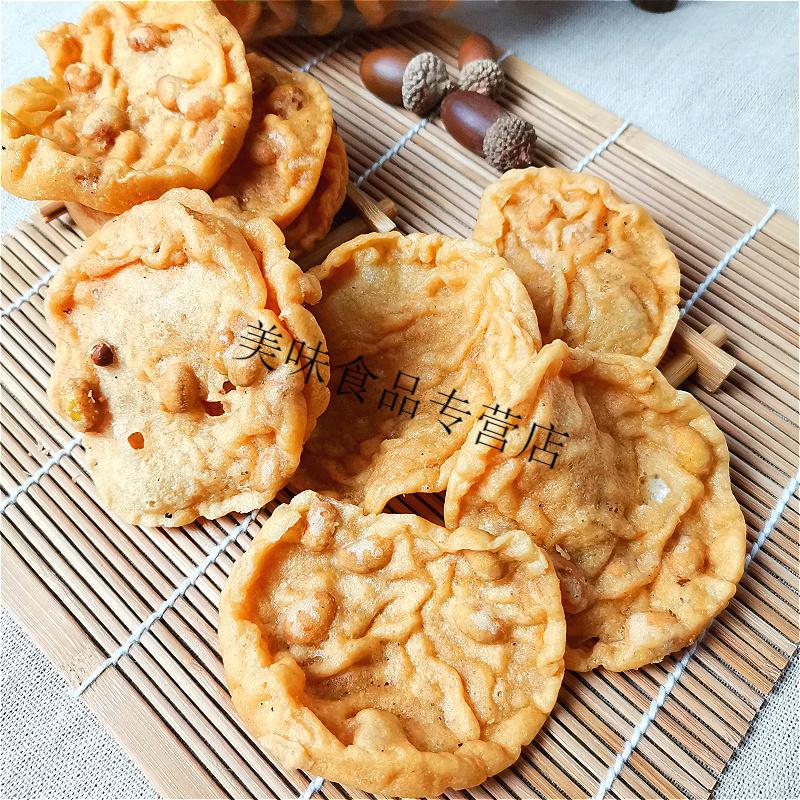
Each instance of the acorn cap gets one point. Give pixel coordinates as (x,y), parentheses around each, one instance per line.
(483,76)
(510,143)
(425,83)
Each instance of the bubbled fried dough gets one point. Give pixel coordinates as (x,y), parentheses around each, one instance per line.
(178,423)
(142,98)
(316,218)
(302,235)
(279,166)
(369,649)
(637,509)
(599,270)
(451,317)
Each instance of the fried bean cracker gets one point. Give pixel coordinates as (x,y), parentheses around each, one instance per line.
(599,271)
(143,97)
(310,227)
(279,166)
(637,508)
(411,319)
(186,419)
(388,653)
(243,14)
(316,218)
(323,16)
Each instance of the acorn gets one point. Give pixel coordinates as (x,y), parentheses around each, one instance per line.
(396,75)
(481,125)
(475,47)
(480,72)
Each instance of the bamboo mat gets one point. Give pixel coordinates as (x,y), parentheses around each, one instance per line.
(129,614)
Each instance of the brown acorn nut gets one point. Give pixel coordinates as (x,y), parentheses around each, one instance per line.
(474,48)
(382,71)
(480,71)
(483,76)
(481,125)
(396,75)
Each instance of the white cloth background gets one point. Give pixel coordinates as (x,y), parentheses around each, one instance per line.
(716,81)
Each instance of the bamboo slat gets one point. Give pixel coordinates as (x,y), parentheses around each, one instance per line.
(82,583)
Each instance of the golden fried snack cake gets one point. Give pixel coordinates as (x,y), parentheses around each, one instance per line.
(310,227)
(277,17)
(143,97)
(423,331)
(388,653)
(323,16)
(375,12)
(243,14)
(599,270)
(316,218)
(178,359)
(626,482)
(279,167)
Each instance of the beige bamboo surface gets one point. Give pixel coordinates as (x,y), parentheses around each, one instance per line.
(82,583)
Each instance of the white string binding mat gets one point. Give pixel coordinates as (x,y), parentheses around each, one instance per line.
(604,145)
(40,473)
(177,593)
(395,148)
(313,787)
(726,259)
(678,670)
(309,65)
(27,295)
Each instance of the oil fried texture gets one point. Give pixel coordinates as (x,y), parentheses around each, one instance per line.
(181,423)
(279,166)
(316,218)
(142,97)
(303,234)
(599,270)
(637,510)
(446,312)
(387,653)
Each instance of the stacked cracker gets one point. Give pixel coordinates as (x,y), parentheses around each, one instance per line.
(194,355)
(143,100)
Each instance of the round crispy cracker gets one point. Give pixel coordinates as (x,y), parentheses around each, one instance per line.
(423,313)
(243,14)
(323,16)
(310,227)
(386,652)
(189,419)
(279,166)
(636,509)
(599,270)
(375,12)
(316,218)
(97,133)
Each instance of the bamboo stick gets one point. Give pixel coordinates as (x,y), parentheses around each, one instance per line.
(346,231)
(48,210)
(373,215)
(701,354)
